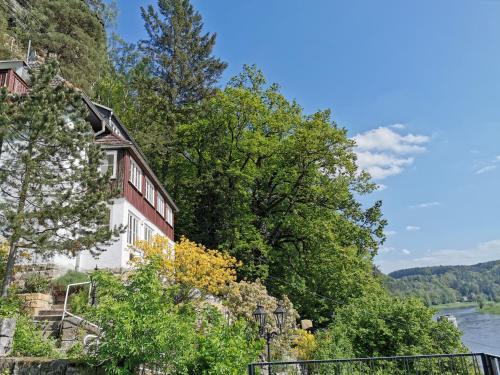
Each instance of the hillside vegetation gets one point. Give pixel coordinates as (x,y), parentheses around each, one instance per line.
(446,284)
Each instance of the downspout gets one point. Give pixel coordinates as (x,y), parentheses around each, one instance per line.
(103,122)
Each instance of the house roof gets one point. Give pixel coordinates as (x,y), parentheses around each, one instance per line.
(111,140)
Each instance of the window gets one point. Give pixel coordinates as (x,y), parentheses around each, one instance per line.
(170,216)
(135,175)
(148,233)
(150,191)
(160,205)
(109,163)
(132,229)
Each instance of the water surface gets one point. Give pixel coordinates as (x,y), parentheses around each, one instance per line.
(481,331)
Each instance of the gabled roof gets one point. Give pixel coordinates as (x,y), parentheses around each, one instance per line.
(111,140)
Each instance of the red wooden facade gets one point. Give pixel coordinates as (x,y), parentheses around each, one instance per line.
(139,201)
(13,83)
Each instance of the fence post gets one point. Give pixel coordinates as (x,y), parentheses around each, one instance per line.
(487,368)
(251,370)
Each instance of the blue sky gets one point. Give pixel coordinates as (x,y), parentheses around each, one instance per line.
(417,84)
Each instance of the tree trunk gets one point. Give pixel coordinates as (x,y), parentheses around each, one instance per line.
(9,269)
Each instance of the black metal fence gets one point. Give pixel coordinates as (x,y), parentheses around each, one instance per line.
(442,364)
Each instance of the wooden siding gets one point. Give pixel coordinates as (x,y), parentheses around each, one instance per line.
(138,199)
(14,83)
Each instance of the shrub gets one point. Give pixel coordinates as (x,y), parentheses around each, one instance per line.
(29,340)
(70,277)
(36,283)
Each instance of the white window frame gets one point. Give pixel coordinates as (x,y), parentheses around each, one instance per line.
(133,228)
(170,215)
(148,233)
(135,175)
(105,163)
(150,191)
(160,204)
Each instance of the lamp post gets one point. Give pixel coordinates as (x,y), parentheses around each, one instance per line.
(260,317)
(93,289)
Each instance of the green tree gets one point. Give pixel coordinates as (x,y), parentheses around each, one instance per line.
(180,53)
(377,325)
(53,199)
(277,188)
(74,31)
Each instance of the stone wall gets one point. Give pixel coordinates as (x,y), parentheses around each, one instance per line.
(41,366)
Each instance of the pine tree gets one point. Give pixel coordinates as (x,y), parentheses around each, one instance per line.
(73,31)
(180,53)
(53,199)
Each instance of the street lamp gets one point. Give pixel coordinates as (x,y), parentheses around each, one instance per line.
(259,316)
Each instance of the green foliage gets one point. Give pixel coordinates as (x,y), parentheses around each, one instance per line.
(141,325)
(36,283)
(179,52)
(79,302)
(448,284)
(70,277)
(57,198)
(276,187)
(380,325)
(222,348)
(29,340)
(73,30)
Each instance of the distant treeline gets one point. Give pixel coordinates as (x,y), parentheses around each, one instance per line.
(446,284)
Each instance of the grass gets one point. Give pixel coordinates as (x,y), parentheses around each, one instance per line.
(490,308)
(454,305)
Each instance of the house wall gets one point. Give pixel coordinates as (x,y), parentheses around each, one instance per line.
(139,201)
(13,83)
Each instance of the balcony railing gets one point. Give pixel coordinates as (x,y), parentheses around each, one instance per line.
(442,364)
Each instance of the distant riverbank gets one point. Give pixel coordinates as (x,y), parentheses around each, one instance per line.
(489,307)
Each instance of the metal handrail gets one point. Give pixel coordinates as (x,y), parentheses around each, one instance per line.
(66,312)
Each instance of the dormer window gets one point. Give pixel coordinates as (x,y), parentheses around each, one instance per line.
(135,175)
(160,205)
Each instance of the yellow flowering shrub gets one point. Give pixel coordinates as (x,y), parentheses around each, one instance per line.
(189,264)
(305,344)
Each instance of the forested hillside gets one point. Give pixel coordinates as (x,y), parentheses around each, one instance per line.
(445,284)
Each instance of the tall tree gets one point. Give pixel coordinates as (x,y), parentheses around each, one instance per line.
(74,31)
(179,52)
(53,199)
(278,189)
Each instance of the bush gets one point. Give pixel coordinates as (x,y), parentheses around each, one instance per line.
(29,340)
(70,277)
(36,283)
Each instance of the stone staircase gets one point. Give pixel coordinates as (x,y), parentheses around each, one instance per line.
(50,321)
(69,332)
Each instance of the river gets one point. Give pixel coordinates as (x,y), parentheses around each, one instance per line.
(481,331)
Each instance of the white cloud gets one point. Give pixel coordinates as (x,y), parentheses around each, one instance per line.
(384,152)
(427,205)
(483,252)
(497,158)
(398,126)
(412,228)
(486,169)
(390,233)
(386,139)
(406,251)
(381,187)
